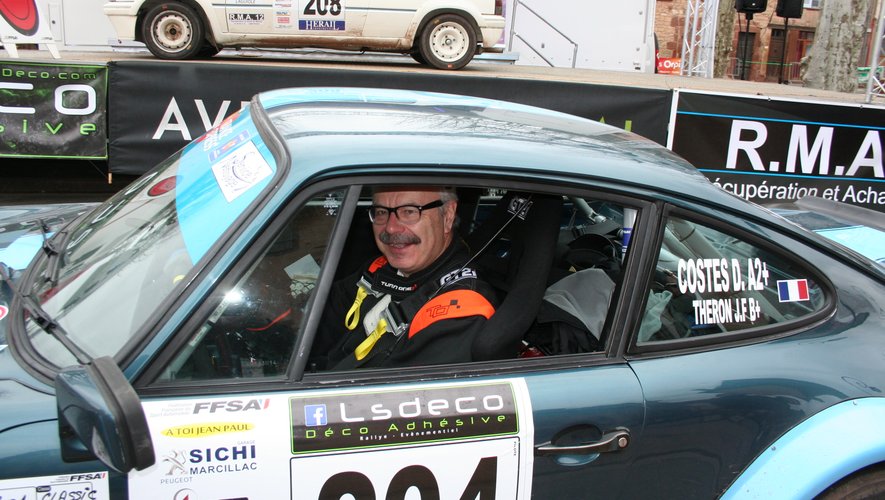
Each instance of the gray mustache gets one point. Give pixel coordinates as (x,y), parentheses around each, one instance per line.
(398,239)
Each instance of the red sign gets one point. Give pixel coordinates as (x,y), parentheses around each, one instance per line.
(669,65)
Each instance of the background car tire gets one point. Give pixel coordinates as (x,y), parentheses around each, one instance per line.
(173,31)
(866,484)
(208,50)
(447,42)
(416,55)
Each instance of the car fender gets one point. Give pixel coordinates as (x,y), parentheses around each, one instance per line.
(433,8)
(817,453)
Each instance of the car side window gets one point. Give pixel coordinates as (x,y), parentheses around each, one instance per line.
(547,264)
(708,282)
(587,267)
(252,330)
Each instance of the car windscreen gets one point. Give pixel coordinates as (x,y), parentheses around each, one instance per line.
(122,261)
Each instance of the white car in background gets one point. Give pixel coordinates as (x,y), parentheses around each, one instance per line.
(445,34)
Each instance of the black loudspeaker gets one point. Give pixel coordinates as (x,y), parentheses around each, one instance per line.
(789,8)
(750,6)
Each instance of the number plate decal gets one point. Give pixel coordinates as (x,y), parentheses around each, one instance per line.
(321,15)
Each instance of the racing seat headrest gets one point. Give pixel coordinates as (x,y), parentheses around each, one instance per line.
(533,233)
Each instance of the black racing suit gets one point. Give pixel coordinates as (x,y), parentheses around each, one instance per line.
(440,311)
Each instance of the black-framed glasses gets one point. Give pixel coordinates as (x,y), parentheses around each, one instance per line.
(407,214)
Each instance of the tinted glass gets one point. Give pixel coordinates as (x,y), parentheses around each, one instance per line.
(123,260)
(708,282)
(253,328)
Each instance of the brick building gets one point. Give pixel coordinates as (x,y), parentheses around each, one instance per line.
(764,40)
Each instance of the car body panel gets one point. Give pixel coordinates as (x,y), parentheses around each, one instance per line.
(813,455)
(853,227)
(689,418)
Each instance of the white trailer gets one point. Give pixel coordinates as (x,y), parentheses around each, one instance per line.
(595,34)
(78,24)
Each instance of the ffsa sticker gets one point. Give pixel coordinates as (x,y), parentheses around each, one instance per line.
(321,15)
(86,485)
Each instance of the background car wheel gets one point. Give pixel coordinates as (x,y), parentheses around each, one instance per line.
(208,50)
(173,31)
(866,484)
(447,42)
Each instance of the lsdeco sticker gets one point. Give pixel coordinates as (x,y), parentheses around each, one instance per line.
(349,421)
(53,110)
(464,440)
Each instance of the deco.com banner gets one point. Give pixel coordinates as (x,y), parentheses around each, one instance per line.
(161,106)
(53,110)
(770,150)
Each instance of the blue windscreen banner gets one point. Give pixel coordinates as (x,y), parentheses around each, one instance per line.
(53,110)
(774,151)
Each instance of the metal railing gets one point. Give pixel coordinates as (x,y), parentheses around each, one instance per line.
(792,71)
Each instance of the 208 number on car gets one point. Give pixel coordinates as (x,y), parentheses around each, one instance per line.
(322,7)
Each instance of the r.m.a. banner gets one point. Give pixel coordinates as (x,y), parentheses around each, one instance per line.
(771,151)
(53,110)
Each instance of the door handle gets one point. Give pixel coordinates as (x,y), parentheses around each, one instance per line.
(615,440)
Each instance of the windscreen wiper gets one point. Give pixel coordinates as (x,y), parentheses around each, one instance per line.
(53,252)
(43,319)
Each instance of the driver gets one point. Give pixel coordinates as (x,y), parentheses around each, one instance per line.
(416,304)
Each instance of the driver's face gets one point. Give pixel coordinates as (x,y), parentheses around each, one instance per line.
(412,248)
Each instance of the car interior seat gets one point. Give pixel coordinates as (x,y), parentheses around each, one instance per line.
(515,248)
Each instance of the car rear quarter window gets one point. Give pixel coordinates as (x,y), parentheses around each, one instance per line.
(710,283)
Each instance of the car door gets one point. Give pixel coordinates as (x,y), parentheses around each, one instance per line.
(297,18)
(392,19)
(731,353)
(236,409)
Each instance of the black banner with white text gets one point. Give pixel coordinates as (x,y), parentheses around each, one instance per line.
(159,106)
(769,151)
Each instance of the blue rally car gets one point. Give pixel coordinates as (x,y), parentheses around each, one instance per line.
(655,337)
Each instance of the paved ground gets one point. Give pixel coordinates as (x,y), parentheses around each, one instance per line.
(487,66)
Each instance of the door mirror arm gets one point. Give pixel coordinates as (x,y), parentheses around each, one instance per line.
(97,404)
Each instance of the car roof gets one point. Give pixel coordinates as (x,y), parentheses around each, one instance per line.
(327,128)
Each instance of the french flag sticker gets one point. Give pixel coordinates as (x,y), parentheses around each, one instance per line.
(792,290)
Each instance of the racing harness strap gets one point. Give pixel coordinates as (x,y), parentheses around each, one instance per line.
(420,307)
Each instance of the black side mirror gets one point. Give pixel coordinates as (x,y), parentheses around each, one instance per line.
(98,405)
